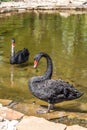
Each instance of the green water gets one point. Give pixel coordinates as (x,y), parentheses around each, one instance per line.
(63,38)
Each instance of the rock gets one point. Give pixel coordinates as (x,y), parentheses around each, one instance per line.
(12,125)
(13,115)
(13,120)
(10,114)
(1,118)
(35,123)
(21,10)
(8,125)
(76,127)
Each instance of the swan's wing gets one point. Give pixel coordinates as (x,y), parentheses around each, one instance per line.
(21,56)
(57,86)
(18,53)
(25,52)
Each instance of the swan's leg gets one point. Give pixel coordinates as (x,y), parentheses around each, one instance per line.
(50,107)
(43,111)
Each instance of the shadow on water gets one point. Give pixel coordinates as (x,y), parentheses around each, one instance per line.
(24,65)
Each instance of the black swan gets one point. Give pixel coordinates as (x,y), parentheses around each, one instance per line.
(49,90)
(19,57)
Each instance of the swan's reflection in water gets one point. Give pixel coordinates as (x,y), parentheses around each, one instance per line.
(18,71)
(12,76)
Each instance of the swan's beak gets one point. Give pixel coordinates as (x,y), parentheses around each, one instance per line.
(35,63)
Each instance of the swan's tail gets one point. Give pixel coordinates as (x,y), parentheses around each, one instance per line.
(79,94)
(75,95)
(25,52)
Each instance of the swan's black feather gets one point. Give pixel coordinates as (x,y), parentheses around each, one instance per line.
(54,91)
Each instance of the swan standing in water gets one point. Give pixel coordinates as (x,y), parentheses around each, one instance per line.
(19,57)
(49,90)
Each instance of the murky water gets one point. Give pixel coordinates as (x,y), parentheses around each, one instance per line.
(63,38)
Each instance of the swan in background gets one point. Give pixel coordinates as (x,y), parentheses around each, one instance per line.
(19,57)
(49,90)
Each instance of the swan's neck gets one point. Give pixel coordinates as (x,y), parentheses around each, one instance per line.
(12,50)
(48,72)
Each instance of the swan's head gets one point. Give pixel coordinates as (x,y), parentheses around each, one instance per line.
(36,59)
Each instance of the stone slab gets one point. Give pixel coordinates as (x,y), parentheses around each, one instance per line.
(35,123)
(10,114)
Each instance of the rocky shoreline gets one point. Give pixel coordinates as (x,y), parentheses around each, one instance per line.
(76,5)
(11,119)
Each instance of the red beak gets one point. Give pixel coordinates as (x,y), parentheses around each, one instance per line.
(35,63)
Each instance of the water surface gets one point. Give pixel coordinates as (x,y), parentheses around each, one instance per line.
(63,38)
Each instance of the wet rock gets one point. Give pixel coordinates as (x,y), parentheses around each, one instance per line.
(35,123)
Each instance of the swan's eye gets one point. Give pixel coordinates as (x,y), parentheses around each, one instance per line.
(36,58)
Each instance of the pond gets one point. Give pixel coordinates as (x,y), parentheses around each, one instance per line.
(64,38)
